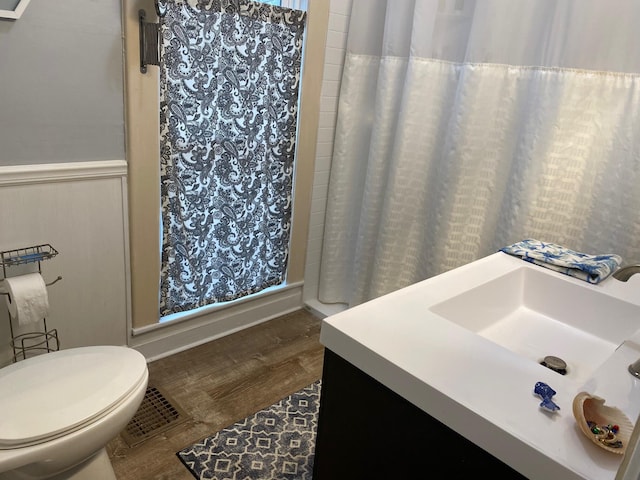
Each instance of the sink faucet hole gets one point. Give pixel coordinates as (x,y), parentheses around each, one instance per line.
(554,363)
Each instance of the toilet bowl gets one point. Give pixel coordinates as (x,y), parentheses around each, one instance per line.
(59,410)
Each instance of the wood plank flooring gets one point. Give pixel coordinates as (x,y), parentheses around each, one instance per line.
(219,383)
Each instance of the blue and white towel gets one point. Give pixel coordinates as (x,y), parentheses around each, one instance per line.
(590,268)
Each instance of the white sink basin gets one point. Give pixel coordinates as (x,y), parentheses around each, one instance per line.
(535,314)
(465,347)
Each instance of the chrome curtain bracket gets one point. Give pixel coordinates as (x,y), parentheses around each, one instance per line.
(161,8)
(149,42)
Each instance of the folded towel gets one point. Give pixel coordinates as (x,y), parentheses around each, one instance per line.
(590,268)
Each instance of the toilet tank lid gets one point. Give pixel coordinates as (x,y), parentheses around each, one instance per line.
(45,396)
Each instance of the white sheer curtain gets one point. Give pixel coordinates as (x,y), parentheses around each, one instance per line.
(466,126)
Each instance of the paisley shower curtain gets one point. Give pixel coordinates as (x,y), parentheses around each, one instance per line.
(229,82)
(465,126)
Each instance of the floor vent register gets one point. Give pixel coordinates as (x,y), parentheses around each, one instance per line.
(157,413)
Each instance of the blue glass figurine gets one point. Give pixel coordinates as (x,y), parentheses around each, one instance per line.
(546,392)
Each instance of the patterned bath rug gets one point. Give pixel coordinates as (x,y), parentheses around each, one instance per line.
(277,443)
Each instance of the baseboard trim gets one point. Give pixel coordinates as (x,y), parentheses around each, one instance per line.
(61,172)
(324,310)
(173,338)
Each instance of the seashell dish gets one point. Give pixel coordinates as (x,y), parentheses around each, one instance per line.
(607,427)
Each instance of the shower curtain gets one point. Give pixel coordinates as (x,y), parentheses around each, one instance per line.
(229,82)
(466,126)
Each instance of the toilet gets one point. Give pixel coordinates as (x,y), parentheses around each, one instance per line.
(59,410)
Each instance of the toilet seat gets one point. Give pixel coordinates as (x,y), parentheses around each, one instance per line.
(51,395)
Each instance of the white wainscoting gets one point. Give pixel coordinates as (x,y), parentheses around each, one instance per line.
(80,209)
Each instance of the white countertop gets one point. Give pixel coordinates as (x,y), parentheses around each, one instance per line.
(478,388)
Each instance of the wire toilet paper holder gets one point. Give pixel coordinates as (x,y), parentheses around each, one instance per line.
(30,342)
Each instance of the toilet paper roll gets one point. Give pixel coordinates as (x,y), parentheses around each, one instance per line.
(28,300)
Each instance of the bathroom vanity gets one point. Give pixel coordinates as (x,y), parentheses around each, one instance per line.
(438,378)
(374,433)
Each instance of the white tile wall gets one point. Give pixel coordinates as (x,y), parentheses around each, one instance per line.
(334,60)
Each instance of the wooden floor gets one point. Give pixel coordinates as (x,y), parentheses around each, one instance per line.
(219,383)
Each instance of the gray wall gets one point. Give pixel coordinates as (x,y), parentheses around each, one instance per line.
(61,87)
